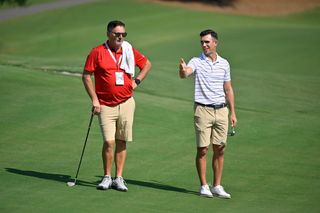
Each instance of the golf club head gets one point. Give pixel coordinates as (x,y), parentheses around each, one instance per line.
(71,184)
(232,132)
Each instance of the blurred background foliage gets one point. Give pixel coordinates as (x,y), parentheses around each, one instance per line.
(13,2)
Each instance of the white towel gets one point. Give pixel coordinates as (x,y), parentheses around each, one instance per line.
(127,62)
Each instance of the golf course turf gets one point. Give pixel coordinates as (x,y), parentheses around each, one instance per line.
(271,164)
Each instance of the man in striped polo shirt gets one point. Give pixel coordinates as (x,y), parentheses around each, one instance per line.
(214,99)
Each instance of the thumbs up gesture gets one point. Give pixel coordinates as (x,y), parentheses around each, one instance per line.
(184,70)
(182,65)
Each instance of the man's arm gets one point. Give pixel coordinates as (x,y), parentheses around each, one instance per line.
(88,84)
(184,70)
(143,73)
(230,99)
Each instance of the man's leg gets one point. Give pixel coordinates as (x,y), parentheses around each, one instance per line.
(217,163)
(107,118)
(107,156)
(120,156)
(201,163)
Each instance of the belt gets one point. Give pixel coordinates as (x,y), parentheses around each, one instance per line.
(214,106)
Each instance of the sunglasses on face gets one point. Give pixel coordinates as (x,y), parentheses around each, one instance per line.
(119,34)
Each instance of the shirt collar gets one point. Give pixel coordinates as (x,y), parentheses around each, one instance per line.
(204,57)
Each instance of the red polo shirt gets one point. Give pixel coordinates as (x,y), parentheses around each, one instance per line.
(101,63)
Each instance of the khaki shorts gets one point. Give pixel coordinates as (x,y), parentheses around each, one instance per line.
(116,122)
(211,125)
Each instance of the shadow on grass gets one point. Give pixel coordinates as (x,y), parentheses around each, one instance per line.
(49,176)
(66,178)
(156,185)
(160,186)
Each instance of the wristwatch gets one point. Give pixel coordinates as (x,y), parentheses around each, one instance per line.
(137,81)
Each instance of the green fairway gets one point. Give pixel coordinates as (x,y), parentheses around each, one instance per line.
(271,164)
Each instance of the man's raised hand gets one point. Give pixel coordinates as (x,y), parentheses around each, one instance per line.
(182,64)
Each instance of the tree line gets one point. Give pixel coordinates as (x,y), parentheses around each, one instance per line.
(18,2)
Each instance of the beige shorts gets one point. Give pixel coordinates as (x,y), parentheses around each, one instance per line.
(211,125)
(116,122)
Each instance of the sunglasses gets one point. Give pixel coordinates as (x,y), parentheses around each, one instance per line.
(120,34)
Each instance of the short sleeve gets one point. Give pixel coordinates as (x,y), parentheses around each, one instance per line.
(192,63)
(227,75)
(140,60)
(91,62)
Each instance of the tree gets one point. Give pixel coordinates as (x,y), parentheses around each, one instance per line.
(18,2)
(220,3)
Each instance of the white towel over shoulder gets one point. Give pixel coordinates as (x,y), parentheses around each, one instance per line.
(127,63)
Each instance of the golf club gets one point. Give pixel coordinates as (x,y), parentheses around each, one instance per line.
(84,146)
(232,131)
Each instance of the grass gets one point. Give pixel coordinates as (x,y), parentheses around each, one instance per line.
(271,164)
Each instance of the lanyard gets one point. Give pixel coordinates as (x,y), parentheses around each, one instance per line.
(112,56)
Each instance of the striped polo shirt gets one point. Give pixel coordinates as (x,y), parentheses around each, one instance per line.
(209,78)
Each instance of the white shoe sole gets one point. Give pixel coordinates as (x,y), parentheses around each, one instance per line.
(205,195)
(222,196)
(122,190)
(103,187)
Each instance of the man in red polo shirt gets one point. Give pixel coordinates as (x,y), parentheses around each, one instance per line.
(112,65)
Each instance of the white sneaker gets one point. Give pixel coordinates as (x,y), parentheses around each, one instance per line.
(218,191)
(205,191)
(119,184)
(105,183)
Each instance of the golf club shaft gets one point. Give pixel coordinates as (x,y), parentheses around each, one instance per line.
(84,146)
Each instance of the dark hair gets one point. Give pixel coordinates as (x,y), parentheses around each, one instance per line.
(211,32)
(113,24)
